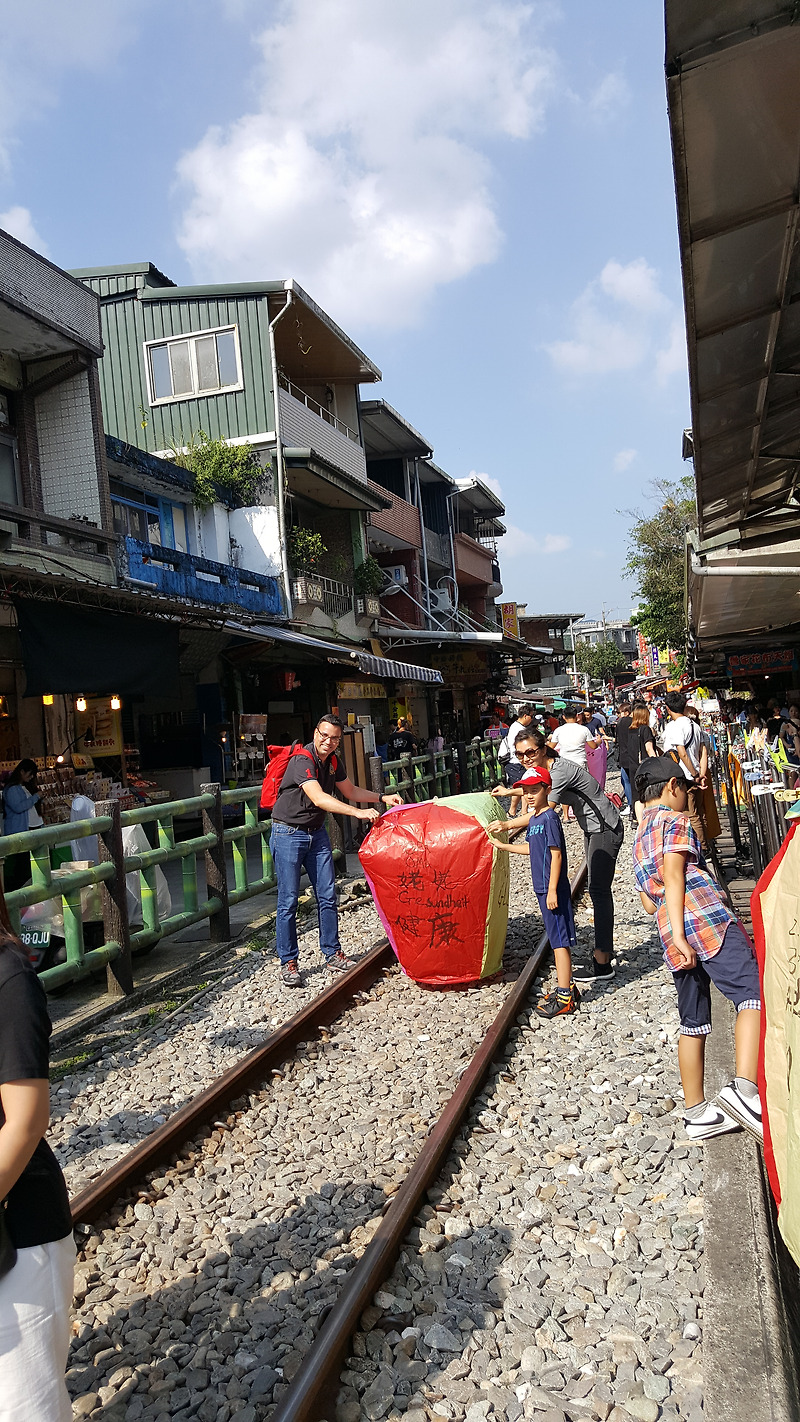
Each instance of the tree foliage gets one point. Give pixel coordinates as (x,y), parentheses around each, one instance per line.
(601,662)
(217,465)
(656,562)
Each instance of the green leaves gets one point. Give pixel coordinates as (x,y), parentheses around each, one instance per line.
(656,561)
(217,465)
(601,661)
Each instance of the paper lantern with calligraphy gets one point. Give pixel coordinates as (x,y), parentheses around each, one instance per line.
(440,887)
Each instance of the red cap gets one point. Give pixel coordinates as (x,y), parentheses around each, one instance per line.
(537,775)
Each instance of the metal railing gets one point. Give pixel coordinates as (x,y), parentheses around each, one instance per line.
(337,598)
(759,790)
(458,769)
(317,409)
(109,876)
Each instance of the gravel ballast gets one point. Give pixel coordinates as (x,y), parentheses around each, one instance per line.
(556,1271)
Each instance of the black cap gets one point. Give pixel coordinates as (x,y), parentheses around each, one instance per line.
(656,770)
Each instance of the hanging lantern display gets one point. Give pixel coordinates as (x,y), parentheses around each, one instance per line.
(440,887)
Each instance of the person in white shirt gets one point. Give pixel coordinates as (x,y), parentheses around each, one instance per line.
(572,740)
(512,770)
(682,736)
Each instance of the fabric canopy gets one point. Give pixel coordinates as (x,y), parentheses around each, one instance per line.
(73,649)
(403,671)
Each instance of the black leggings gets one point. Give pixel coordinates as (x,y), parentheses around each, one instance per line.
(601,854)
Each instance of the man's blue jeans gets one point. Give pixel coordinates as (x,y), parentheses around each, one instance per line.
(294,850)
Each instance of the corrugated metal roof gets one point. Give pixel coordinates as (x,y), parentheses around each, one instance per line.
(734,105)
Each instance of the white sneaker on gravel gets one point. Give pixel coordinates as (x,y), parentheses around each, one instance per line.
(746,1111)
(712,1122)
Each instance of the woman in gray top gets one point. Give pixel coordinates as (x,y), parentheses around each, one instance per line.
(604,833)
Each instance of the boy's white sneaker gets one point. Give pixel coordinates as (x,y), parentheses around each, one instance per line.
(713,1121)
(747,1111)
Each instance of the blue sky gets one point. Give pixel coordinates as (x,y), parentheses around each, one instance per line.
(480,193)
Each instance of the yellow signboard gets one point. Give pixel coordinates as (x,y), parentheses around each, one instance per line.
(361,690)
(99,728)
(508,611)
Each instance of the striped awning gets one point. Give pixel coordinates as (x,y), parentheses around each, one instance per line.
(401,671)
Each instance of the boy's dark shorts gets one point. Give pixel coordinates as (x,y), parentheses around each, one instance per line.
(734,970)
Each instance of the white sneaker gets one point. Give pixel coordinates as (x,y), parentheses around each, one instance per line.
(713,1122)
(625,811)
(746,1112)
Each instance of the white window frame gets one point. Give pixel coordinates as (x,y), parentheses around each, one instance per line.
(190,337)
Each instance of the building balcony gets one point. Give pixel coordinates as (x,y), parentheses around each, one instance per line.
(183,575)
(474,564)
(395,527)
(306,423)
(61,547)
(437,548)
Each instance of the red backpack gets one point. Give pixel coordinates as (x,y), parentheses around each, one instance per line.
(279,757)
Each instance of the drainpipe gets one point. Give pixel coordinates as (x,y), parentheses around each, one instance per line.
(285,578)
(424,548)
(450,520)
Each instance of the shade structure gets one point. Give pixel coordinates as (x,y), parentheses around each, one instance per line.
(441,887)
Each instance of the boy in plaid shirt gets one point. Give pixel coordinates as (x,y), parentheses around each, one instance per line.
(703,943)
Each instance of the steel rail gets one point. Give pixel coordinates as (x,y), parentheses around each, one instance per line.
(161,1144)
(312,1393)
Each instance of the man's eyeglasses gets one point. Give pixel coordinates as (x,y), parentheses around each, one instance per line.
(333,739)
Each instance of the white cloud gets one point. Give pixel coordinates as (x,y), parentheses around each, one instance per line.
(622,321)
(41,40)
(18,221)
(611,95)
(623,460)
(516,543)
(362,169)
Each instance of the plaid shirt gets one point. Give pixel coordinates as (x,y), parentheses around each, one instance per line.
(705,915)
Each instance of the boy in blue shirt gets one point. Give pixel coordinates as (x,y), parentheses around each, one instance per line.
(548,855)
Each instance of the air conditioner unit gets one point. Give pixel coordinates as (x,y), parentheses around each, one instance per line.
(398,575)
(440,600)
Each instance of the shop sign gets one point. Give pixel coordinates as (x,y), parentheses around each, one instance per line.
(103,724)
(461,664)
(361,690)
(761,663)
(508,612)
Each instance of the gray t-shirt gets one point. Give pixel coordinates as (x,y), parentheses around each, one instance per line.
(573,785)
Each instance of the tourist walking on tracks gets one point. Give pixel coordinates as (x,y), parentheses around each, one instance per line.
(299,841)
(401,741)
(548,855)
(506,751)
(36,1290)
(603,831)
(572,740)
(703,943)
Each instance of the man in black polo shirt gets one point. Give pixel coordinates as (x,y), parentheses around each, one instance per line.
(299,841)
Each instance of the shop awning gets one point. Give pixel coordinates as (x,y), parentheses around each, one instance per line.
(84,650)
(402,671)
(337,652)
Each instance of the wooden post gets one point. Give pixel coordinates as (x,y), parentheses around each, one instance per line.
(376,776)
(433,789)
(216,872)
(114,896)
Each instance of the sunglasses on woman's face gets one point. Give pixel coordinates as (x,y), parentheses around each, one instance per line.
(523,755)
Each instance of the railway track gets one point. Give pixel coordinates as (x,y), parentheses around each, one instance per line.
(312,1392)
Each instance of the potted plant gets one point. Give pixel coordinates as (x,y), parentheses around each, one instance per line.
(369,580)
(306,551)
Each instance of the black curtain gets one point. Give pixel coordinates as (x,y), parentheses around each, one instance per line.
(71,649)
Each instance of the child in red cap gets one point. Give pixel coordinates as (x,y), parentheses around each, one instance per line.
(548,856)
